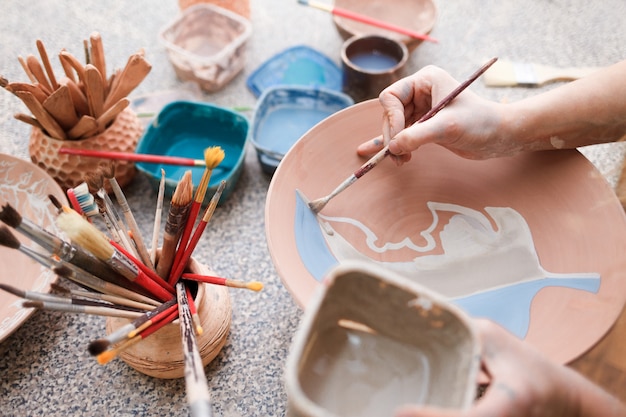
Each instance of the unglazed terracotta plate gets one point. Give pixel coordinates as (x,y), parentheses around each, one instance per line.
(416,15)
(26,188)
(534,242)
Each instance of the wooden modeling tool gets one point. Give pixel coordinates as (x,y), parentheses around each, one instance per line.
(512,74)
(319,204)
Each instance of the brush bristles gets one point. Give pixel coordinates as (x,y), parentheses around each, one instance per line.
(98,346)
(183,193)
(85,234)
(317,205)
(8,239)
(86,201)
(213,156)
(10,216)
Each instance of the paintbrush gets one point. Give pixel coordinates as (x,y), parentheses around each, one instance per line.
(232,283)
(91,239)
(74,308)
(129,330)
(57,246)
(135,157)
(88,280)
(511,74)
(179,267)
(157,219)
(53,298)
(113,299)
(107,356)
(144,255)
(319,204)
(338,11)
(176,218)
(196,387)
(194,312)
(213,156)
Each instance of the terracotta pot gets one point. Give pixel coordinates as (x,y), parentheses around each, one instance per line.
(161,355)
(70,170)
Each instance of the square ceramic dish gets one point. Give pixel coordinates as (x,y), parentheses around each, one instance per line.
(372,340)
(187,128)
(298,65)
(284,113)
(206,44)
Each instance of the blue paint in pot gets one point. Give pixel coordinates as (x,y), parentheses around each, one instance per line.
(187,128)
(285,113)
(373,61)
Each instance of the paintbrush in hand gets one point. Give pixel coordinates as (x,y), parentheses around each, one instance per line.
(320,203)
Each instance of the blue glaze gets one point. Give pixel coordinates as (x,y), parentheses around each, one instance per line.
(186,128)
(509,305)
(373,61)
(298,65)
(284,113)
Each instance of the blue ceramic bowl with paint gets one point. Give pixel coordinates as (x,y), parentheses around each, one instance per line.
(284,113)
(298,65)
(186,129)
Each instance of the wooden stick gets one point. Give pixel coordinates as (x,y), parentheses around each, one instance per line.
(47,121)
(46,64)
(67,68)
(111,113)
(86,124)
(37,70)
(94,90)
(34,89)
(27,70)
(78,97)
(28,119)
(73,62)
(60,106)
(97,56)
(136,69)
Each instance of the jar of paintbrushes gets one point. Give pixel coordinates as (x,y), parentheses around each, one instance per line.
(86,108)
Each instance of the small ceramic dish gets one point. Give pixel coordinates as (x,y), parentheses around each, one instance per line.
(207,44)
(500,237)
(284,113)
(298,65)
(26,188)
(371,340)
(416,15)
(187,128)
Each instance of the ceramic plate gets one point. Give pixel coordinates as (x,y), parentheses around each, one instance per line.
(26,187)
(298,65)
(535,242)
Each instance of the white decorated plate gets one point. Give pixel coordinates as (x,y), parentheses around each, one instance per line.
(25,187)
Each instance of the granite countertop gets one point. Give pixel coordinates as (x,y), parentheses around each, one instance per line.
(45,368)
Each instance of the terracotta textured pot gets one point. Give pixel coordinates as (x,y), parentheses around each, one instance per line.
(70,170)
(161,355)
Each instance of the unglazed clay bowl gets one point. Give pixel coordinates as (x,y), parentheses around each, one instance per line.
(206,44)
(535,242)
(187,128)
(70,170)
(161,354)
(416,15)
(372,340)
(26,188)
(284,113)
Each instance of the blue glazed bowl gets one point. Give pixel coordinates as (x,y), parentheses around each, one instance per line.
(187,128)
(284,113)
(298,65)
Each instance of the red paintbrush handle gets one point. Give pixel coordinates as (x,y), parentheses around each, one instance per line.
(180,267)
(205,278)
(156,326)
(145,269)
(129,156)
(384,25)
(182,245)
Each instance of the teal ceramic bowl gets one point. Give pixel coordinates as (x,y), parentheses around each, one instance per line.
(186,129)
